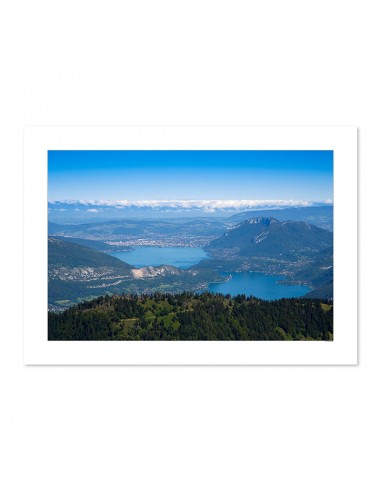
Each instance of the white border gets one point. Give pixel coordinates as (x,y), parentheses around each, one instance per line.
(342,140)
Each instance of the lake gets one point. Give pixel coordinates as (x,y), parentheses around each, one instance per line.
(248,283)
(258,285)
(154,256)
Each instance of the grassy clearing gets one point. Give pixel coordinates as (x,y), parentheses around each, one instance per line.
(326,307)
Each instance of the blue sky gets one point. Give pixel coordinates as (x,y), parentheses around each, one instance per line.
(190,175)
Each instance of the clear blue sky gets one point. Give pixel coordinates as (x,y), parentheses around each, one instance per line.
(166,175)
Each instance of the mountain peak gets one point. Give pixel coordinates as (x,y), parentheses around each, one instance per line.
(261,220)
(268,237)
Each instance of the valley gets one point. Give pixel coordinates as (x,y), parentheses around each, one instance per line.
(85,260)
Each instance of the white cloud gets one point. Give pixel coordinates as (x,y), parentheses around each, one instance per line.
(208,206)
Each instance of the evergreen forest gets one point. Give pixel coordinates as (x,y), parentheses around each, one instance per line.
(189,316)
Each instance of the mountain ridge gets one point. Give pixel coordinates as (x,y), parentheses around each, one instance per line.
(282,238)
(320,216)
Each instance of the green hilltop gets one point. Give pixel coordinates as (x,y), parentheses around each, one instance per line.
(188,316)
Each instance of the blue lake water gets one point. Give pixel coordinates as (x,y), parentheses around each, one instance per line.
(258,285)
(248,283)
(154,256)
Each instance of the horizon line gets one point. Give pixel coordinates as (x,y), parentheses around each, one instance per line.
(223,203)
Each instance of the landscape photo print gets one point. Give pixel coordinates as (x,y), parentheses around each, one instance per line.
(192,246)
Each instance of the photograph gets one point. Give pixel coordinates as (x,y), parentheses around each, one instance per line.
(190,245)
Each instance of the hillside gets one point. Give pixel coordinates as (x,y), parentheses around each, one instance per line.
(102,246)
(76,272)
(65,253)
(193,317)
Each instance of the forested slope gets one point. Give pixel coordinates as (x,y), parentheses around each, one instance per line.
(190,316)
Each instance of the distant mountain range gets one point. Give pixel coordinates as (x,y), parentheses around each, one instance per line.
(77,211)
